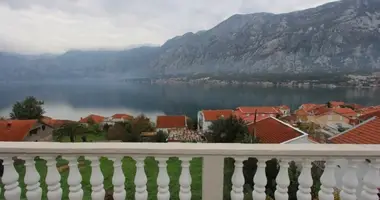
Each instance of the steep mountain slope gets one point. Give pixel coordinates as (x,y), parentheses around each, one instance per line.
(341,36)
(338,36)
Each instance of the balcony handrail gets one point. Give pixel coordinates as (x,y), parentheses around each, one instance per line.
(189,149)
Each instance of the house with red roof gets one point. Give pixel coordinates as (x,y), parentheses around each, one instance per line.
(258,113)
(275,131)
(25,130)
(206,117)
(97,119)
(367,132)
(336,104)
(169,122)
(117,118)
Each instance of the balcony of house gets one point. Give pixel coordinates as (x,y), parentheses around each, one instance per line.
(75,171)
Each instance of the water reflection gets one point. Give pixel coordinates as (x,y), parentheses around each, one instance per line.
(72,101)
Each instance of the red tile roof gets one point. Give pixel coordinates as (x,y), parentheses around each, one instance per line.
(15,130)
(171,122)
(310,106)
(370,115)
(122,116)
(365,133)
(301,112)
(346,112)
(367,110)
(212,115)
(259,109)
(96,118)
(320,110)
(273,131)
(55,122)
(336,103)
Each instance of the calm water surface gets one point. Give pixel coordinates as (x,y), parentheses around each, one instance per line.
(72,101)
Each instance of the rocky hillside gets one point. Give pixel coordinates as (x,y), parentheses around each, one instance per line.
(341,36)
(338,36)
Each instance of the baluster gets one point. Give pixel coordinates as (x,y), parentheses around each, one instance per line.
(53,179)
(371,181)
(350,181)
(118,179)
(238,180)
(185,179)
(140,180)
(305,181)
(12,191)
(260,180)
(74,180)
(328,181)
(282,181)
(163,180)
(32,179)
(96,179)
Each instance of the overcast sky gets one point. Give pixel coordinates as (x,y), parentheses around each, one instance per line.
(55,26)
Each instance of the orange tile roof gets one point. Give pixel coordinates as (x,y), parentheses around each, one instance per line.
(55,122)
(301,112)
(320,110)
(259,109)
(212,115)
(15,130)
(367,110)
(336,103)
(346,112)
(273,131)
(367,116)
(96,118)
(365,133)
(310,106)
(122,116)
(171,121)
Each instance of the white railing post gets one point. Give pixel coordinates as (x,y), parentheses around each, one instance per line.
(260,180)
(163,180)
(282,181)
(32,179)
(53,179)
(328,181)
(212,178)
(10,180)
(350,181)
(140,180)
(185,179)
(74,179)
(96,179)
(237,191)
(371,181)
(118,178)
(305,181)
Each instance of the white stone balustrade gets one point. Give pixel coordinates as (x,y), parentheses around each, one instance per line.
(353,184)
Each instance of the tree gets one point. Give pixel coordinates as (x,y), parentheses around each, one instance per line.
(29,108)
(228,130)
(72,130)
(161,137)
(191,124)
(130,131)
(328,104)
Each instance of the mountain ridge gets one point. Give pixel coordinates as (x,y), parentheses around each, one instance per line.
(335,37)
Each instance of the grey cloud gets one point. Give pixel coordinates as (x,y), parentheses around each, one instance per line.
(59,25)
